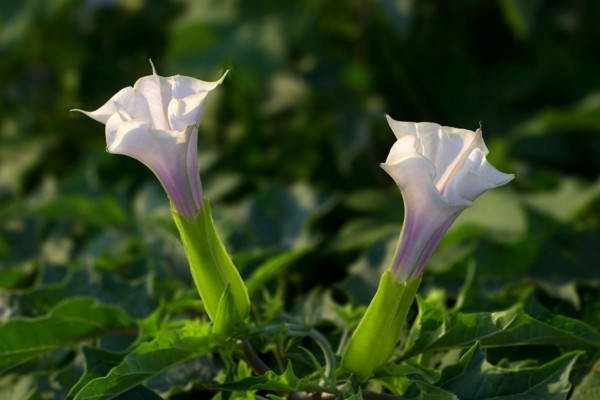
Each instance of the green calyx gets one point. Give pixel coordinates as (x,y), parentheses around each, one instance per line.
(378,332)
(213,271)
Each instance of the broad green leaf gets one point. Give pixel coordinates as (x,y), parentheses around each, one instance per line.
(522,324)
(135,296)
(499,213)
(167,349)
(566,201)
(71,321)
(98,363)
(589,388)
(473,378)
(103,210)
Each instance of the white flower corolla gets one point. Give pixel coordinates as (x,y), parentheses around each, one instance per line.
(440,172)
(156,122)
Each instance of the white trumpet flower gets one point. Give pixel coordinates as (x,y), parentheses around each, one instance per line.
(440,172)
(156,122)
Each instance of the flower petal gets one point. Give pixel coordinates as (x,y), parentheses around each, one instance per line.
(187,111)
(426,213)
(156,91)
(129,100)
(403,146)
(401,128)
(476,177)
(192,166)
(166,154)
(410,169)
(184,86)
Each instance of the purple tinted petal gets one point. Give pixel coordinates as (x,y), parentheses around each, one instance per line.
(166,154)
(192,169)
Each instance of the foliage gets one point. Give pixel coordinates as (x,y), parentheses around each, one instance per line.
(96,298)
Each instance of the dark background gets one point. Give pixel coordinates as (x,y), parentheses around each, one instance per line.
(291,143)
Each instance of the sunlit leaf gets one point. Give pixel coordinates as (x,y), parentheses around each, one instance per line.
(169,348)
(73,320)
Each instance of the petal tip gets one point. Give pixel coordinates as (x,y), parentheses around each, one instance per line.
(222,78)
(152,65)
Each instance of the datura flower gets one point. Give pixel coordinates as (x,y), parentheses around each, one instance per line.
(440,172)
(156,122)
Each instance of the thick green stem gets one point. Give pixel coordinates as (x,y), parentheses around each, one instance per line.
(377,335)
(211,267)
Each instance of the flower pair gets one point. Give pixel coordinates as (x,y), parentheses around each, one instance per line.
(440,171)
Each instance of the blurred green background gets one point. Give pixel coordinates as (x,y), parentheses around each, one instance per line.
(290,146)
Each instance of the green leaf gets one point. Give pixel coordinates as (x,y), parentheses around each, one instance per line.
(566,201)
(287,382)
(107,287)
(102,211)
(428,391)
(138,393)
(271,268)
(521,15)
(73,320)
(589,388)
(97,363)
(167,349)
(397,377)
(523,324)
(361,233)
(355,396)
(474,378)
(498,213)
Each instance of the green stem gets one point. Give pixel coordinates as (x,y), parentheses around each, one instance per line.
(252,359)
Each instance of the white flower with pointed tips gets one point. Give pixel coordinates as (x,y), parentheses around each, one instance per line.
(156,122)
(440,171)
